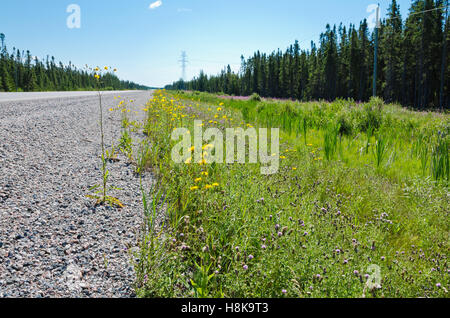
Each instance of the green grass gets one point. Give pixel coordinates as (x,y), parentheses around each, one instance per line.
(354,190)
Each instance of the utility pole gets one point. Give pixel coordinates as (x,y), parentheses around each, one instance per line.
(183,62)
(444,59)
(2,38)
(377,26)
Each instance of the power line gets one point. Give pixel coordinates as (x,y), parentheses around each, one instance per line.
(420,12)
(444,7)
(214,62)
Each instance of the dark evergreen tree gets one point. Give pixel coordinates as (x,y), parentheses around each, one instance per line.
(413,64)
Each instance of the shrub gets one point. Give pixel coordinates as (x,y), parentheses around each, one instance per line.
(345,126)
(370,117)
(255,97)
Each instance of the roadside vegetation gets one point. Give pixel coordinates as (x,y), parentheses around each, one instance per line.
(359,207)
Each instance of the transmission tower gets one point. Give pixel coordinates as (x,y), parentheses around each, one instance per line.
(184,63)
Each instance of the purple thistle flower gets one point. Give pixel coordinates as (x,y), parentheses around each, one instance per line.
(250,257)
(284,291)
(263,246)
(245,267)
(438,285)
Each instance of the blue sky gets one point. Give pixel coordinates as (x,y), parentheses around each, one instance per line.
(145,44)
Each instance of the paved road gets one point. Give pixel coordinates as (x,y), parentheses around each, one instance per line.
(9,97)
(53,241)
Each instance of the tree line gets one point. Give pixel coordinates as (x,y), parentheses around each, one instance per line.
(20,71)
(413,64)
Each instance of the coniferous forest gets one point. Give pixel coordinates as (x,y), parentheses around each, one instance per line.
(413,63)
(20,71)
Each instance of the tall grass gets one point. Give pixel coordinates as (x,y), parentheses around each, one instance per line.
(330,142)
(380,149)
(440,159)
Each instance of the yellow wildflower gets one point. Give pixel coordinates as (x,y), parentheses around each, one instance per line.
(208,146)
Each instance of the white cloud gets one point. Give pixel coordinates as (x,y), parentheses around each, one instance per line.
(155,5)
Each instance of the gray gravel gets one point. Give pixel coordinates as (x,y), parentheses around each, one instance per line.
(53,241)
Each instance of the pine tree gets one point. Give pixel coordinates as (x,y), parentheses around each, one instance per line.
(413,63)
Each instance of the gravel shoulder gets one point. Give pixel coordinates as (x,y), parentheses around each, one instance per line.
(53,241)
